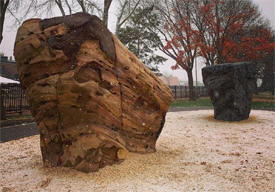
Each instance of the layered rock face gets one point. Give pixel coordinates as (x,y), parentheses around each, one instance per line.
(92,99)
(230,87)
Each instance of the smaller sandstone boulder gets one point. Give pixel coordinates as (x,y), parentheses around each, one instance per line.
(230,88)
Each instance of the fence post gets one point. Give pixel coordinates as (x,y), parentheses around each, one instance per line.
(200,91)
(2,110)
(175,92)
(184,88)
(21,96)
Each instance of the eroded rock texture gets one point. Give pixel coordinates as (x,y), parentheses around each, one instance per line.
(230,87)
(92,99)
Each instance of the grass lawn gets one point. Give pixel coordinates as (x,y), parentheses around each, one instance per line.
(201,102)
(17,116)
(264,105)
(205,102)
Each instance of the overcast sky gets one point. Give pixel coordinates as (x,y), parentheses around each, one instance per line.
(267,7)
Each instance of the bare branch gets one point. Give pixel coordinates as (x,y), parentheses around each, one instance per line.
(16,18)
(59,4)
(82,5)
(69,7)
(129,15)
(123,6)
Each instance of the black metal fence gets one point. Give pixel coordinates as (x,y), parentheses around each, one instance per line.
(183,91)
(13,99)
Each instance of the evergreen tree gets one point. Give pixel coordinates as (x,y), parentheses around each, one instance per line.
(140,36)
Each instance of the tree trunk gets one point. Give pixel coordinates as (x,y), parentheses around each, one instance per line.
(268,75)
(107,4)
(192,96)
(1,27)
(92,99)
(3,8)
(1,36)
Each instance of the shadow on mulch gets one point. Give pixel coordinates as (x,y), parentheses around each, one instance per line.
(251,119)
(12,122)
(177,109)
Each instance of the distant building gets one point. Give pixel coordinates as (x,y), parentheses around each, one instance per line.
(185,83)
(171,81)
(8,68)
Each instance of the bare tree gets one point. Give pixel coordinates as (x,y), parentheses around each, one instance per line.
(66,7)
(7,6)
(219,21)
(179,39)
(3,8)
(126,10)
(107,4)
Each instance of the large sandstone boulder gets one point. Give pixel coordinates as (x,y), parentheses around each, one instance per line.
(92,99)
(230,87)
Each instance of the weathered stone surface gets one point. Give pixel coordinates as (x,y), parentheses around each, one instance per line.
(92,99)
(230,88)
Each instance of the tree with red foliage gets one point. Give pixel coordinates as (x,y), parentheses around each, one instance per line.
(220,31)
(252,46)
(229,31)
(180,37)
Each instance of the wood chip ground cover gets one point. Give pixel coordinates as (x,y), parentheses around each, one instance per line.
(194,153)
